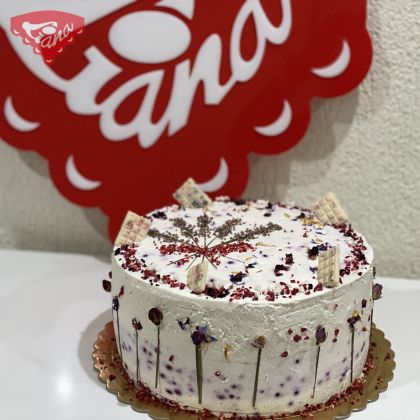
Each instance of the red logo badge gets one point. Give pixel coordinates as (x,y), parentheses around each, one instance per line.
(159,91)
(48,32)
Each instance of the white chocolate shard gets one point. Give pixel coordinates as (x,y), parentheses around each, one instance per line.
(197,277)
(329,267)
(133,230)
(189,195)
(329,210)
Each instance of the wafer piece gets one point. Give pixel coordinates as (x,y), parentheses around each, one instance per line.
(329,210)
(133,230)
(329,267)
(197,277)
(190,195)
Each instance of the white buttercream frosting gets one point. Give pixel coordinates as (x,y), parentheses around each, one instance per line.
(269,289)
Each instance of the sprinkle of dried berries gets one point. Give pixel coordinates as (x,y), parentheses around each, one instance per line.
(284,354)
(259,342)
(136,324)
(319,287)
(155,315)
(117,251)
(364,303)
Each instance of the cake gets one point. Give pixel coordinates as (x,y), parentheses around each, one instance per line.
(242,307)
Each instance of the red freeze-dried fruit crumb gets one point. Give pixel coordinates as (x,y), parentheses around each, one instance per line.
(318,287)
(171,358)
(270,296)
(303,329)
(336,332)
(290,331)
(297,338)
(284,354)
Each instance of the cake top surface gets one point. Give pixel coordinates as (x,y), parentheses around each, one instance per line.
(256,250)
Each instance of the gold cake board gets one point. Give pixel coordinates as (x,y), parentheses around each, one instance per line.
(110,371)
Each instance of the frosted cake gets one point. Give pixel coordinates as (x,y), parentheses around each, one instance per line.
(245,307)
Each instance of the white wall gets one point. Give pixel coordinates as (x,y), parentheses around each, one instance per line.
(365,147)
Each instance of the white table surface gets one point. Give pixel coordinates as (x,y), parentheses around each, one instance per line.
(52,307)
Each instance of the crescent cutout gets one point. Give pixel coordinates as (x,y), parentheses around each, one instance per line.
(280,125)
(77,179)
(337,67)
(15,120)
(219,180)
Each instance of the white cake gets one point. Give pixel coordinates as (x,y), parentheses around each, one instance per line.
(262,302)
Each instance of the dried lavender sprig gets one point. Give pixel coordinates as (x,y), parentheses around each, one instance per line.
(227,228)
(203,224)
(248,234)
(186,229)
(167,236)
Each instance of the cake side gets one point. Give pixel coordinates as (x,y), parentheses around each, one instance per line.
(288,359)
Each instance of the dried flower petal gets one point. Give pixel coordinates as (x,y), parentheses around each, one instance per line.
(136,324)
(155,315)
(353,320)
(320,335)
(200,335)
(237,278)
(259,342)
(106,284)
(376,291)
(279,268)
(313,252)
(115,303)
(226,350)
(183,324)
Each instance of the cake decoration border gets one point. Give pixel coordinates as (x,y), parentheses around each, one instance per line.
(378,370)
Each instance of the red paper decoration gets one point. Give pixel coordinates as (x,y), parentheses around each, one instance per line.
(158,91)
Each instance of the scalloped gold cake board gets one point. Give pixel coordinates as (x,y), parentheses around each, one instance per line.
(110,371)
